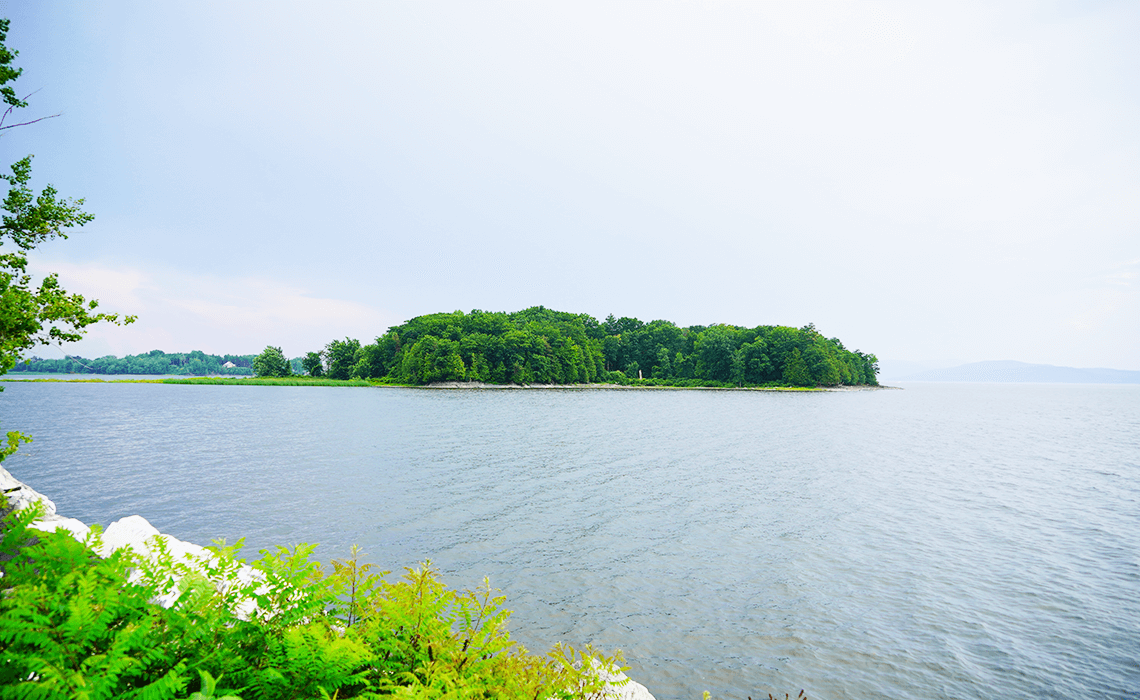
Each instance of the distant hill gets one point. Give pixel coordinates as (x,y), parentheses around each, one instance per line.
(1011,371)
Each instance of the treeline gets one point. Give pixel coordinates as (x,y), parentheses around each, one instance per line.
(542,346)
(196,363)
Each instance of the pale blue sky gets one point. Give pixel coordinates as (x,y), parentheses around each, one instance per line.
(923,180)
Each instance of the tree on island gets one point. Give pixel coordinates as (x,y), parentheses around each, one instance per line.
(312,364)
(33,315)
(272,363)
(341,355)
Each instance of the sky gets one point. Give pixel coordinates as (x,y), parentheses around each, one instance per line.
(934,183)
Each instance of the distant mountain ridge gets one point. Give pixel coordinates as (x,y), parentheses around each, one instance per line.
(1012,371)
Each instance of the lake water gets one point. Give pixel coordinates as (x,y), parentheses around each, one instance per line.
(944,541)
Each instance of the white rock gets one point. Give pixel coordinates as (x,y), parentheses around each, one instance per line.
(135,532)
(20,495)
(77,529)
(185,551)
(631,690)
(132,531)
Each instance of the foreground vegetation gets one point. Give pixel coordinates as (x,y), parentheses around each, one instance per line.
(542,346)
(75,625)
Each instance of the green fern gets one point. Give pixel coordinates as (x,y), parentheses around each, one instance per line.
(74,625)
(356,583)
(209,689)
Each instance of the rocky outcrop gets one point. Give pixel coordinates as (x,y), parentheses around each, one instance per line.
(136,533)
(615,689)
(19,496)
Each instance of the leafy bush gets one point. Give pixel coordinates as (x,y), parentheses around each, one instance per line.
(272,363)
(76,625)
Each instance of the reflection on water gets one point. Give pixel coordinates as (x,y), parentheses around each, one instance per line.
(946,541)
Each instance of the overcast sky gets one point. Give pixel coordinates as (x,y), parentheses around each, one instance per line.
(926,181)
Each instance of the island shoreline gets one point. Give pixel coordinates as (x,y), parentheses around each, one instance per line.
(321,381)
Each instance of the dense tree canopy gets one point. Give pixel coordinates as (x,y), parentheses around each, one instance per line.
(341,357)
(312,364)
(542,346)
(196,363)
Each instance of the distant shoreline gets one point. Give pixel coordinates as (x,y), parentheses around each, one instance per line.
(320,381)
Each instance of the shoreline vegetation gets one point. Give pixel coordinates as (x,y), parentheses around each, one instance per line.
(194,363)
(324,381)
(536,347)
(131,612)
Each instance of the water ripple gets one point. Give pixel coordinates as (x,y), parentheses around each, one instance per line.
(948,541)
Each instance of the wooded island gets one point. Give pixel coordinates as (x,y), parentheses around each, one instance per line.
(543,346)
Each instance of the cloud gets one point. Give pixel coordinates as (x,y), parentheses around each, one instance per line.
(242,302)
(922,179)
(238,314)
(845,30)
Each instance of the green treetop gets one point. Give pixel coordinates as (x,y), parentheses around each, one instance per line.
(272,363)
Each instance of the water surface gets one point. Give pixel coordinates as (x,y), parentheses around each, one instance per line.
(946,541)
